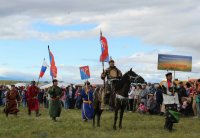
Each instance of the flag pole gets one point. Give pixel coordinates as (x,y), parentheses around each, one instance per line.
(50,62)
(102,61)
(38,80)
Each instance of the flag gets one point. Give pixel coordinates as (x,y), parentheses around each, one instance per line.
(53,68)
(43,69)
(104,49)
(85,72)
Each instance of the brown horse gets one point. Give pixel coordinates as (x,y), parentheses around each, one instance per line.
(119,98)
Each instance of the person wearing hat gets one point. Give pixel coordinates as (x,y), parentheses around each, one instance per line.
(181,92)
(55,106)
(113,74)
(171,102)
(12,101)
(87,106)
(32,99)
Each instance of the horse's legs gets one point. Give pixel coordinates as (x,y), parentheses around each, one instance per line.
(95,112)
(115,118)
(121,115)
(99,117)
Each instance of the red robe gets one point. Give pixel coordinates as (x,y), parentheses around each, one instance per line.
(12,99)
(32,99)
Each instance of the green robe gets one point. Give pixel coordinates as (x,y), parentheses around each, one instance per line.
(55,105)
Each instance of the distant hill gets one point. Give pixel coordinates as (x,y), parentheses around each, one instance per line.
(5,82)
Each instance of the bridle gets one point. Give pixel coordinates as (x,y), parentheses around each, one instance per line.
(135,78)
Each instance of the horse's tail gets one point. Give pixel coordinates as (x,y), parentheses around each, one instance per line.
(95,94)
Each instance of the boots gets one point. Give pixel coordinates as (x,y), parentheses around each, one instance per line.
(105,101)
(54,119)
(37,113)
(29,112)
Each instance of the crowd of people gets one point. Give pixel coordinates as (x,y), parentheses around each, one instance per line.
(70,99)
(144,98)
(148,98)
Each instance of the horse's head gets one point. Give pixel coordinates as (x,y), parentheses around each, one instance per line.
(135,78)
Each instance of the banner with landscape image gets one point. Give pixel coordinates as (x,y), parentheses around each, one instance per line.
(174,62)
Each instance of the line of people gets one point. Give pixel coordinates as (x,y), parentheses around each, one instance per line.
(53,98)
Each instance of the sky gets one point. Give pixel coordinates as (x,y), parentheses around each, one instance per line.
(136,31)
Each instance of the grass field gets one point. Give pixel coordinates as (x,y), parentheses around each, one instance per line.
(70,125)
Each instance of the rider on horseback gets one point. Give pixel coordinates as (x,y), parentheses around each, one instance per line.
(113,74)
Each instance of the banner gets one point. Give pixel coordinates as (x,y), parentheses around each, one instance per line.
(53,68)
(85,72)
(174,62)
(104,49)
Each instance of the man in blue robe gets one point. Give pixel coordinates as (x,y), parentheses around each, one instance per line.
(87,106)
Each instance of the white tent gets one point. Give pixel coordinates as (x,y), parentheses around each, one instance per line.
(60,84)
(9,86)
(21,84)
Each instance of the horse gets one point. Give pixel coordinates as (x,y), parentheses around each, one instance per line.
(119,97)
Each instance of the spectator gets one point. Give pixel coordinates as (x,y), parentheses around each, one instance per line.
(142,109)
(130,98)
(24,102)
(46,98)
(78,98)
(181,92)
(143,94)
(41,96)
(152,105)
(198,97)
(159,97)
(136,97)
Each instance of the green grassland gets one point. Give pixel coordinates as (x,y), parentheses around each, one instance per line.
(70,125)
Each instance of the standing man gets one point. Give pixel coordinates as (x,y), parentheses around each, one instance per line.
(113,74)
(55,93)
(171,101)
(12,101)
(32,99)
(87,96)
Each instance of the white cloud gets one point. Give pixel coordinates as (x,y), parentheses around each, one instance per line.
(157,22)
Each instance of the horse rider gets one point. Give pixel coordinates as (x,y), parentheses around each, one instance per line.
(113,74)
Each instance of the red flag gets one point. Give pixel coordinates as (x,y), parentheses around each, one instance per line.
(53,68)
(104,49)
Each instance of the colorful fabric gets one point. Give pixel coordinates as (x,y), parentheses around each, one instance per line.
(43,69)
(85,72)
(53,68)
(104,48)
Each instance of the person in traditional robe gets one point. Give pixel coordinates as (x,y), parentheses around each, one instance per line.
(12,101)
(32,99)
(171,102)
(87,106)
(55,105)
